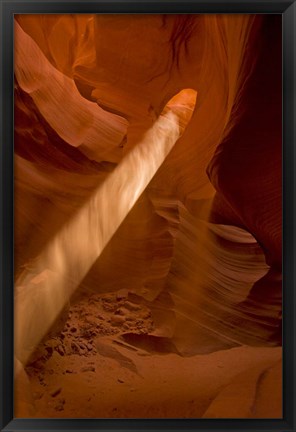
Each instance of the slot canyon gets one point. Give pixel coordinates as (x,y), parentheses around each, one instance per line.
(148,216)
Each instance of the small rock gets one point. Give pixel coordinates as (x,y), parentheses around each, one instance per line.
(88,369)
(140,322)
(49,350)
(67,347)
(117,320)
(60,349)
(75,347)
(121,295)
(132,306)
(82,345)
(121,311)
(121,381)
(109,307)
(108,299)
(55,392)
(38,364)
(60,405)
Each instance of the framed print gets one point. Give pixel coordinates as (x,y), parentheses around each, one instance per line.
(147,215)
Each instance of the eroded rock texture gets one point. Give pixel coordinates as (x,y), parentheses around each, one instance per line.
(148,159)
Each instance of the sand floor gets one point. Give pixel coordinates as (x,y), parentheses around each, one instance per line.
(97,367)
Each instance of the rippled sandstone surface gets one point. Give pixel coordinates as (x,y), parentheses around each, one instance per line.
(148,216)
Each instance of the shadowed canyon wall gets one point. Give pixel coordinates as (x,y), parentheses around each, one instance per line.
(148,159)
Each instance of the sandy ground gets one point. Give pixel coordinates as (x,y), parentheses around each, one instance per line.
(90,370)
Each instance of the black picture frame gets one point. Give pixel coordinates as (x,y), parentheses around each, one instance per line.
(288,10)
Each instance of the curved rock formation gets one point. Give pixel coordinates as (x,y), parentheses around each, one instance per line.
(126,180)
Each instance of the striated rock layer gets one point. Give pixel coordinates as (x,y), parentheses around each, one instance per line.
(148,159)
